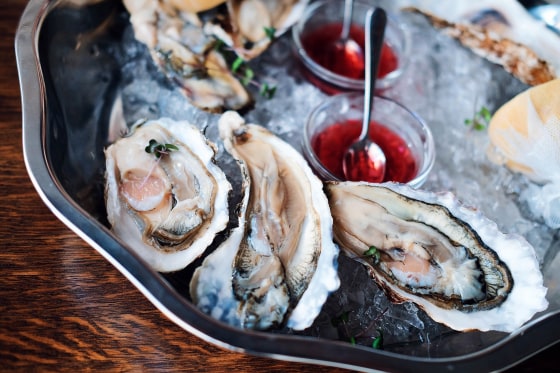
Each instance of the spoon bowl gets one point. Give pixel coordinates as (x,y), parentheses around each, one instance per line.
(336,122)
(346,49)
(364,160)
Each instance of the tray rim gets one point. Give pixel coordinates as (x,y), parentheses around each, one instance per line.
(543,331)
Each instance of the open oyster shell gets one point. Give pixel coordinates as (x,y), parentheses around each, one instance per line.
(445,257)
(525,136)
(501,31)
(179,46)
(167,209)
(246,24)
(186,48)
(278,267)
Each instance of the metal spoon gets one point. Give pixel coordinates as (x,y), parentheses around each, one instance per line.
(346,45)
(364,160)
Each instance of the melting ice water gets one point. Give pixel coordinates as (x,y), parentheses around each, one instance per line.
(445,84)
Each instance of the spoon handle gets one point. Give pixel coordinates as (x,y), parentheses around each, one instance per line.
(347,19)
(376,21)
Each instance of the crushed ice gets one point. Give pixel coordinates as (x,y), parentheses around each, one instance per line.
(445,84)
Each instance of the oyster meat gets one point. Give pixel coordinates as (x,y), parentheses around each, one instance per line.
(278,267)
(167,207)
(445,257)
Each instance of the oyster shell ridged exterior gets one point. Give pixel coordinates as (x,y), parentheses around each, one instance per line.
(447,258)
(168,209)
(281,259)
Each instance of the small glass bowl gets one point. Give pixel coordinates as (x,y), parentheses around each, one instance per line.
(328,12)
(339,109)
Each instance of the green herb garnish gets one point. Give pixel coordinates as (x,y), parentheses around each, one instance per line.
(236,65)
(267,91)
(341,322)
(374,253)
(480,120)
(158,149)
(270,32)
(242,71)
(340,319)
(378,341)
(248,75)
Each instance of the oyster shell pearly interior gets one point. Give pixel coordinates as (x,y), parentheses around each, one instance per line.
(431,250)
(168,209)
(278,268)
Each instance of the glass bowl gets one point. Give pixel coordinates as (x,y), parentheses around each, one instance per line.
(325,17)
(336,122)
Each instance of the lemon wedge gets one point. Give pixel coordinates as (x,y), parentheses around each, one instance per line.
(525,132)
(195,6)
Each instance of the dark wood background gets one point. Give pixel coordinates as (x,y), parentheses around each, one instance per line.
(63,307)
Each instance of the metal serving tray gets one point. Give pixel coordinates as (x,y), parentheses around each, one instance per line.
(67,96)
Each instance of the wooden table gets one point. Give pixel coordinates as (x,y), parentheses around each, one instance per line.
(63,307)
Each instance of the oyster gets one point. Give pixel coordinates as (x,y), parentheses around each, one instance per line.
(501,31)
(525,133)
(168,209)
(525,136)
(278,267)
(448,259)
(195,6)
(188,50)
(187,55)
(247,26)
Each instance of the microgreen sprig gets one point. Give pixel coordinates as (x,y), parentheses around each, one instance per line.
(342,320)
(378,341)
(270,33)
(158,149)
(246,75)
(241,69)
(480,120)
(238,66)
(373,252)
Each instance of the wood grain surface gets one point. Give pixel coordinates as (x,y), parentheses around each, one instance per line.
(63,307)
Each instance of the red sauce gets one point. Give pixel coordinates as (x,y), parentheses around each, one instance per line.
(320,45)
(331,144)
